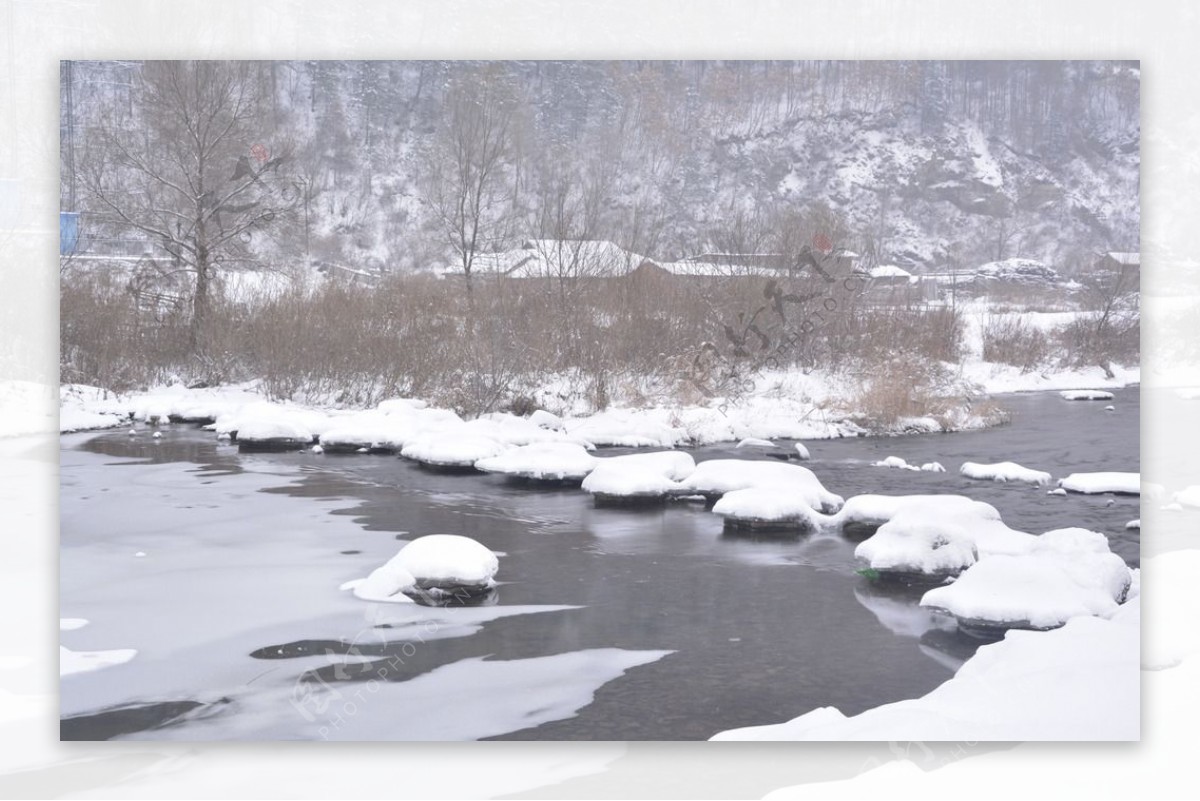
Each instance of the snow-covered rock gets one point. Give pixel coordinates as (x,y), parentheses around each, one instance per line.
(802,452)
(624,428)
(1095,483)
(936,537)
(716,477)
(1004,471)
(1134,524)
(544,419)
(437,562)
(1064,574)
(542,461)
(766,508)
(452,449)
(933,467)
(756,442)
(261,433)
(1086,394)
(862,514)
(894,462)
(638,477)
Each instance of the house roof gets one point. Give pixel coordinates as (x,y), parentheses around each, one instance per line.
(1129,259)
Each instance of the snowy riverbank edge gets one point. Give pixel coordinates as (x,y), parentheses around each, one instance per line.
(783,405)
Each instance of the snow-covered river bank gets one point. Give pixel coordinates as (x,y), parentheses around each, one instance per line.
(220,571)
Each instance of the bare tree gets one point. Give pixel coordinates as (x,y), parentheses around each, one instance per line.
(466,187)
(189,170)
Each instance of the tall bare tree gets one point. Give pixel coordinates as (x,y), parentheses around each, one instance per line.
(466,185)
(190,169)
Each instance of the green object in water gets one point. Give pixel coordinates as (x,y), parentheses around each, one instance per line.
(870,573)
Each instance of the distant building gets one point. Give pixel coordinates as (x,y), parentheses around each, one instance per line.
(1116,261)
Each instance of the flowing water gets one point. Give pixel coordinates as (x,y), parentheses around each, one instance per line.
(223,570)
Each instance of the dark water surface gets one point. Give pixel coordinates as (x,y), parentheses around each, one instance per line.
(761,630)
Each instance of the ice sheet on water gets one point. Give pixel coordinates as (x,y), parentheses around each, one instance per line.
(72,662)
(465,700)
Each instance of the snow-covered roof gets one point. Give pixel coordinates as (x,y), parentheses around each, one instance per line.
(890,271)
(1129,259)
(707,269)
(553,258)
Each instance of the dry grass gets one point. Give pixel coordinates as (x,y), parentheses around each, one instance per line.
(634,341)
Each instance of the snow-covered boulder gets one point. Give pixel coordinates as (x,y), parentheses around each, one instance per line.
(439,563)
(542,461)
(638,478)
(1004,471)
(374,430)
(403,406)
(544,419)
(1086,394)
(624,428)
(930,549)
(1096,483)
(452,449)
(861,515)
(802,452)
(716,477)
(894,462)
(512,430)
(263,434)
(933,467)
(756,442)
(936,537)
(766,509)
(1066,573)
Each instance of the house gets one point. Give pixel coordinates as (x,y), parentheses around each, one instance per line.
(556,259)
(1117,261)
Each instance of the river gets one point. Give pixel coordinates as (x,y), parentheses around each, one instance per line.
(223,570)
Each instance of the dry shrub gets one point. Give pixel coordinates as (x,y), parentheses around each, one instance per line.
(907,386)
(1008,339)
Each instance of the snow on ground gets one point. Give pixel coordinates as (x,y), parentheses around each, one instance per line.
(1085,394)
(1065,573)
(542,461)
(1094,483)
(1004,471)
(1078,682)
(719,476)
(639,475)
(27,407)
